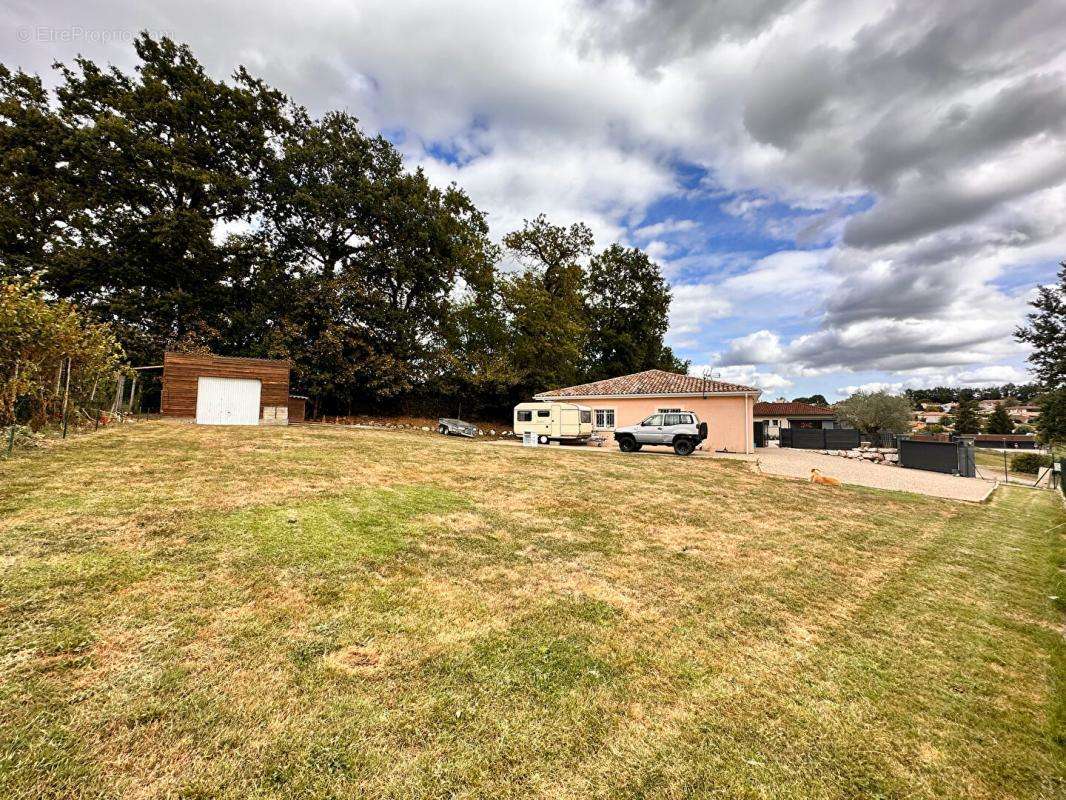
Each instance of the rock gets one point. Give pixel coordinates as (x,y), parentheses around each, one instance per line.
(492,432)
(425,428)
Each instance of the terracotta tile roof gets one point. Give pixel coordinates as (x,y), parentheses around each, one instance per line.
(649,382)
(791,410)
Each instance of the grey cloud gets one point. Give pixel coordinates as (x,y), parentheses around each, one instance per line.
(935,206)
(658,32)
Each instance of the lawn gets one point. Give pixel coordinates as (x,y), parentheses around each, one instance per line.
(328,612)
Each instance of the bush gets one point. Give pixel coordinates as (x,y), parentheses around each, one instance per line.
(1030,463)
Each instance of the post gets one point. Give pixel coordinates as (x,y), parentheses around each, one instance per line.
(133,391)
(120,391)
(11,439)
(1006,477)
(66,399)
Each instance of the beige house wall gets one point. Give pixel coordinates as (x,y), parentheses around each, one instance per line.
(729,418)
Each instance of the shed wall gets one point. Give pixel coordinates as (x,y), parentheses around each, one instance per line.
(181,372)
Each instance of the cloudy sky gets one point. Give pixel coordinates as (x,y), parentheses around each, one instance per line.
(841,194)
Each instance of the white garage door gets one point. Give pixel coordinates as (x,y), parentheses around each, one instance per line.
(227,401)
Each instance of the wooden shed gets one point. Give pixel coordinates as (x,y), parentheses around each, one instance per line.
(221,390)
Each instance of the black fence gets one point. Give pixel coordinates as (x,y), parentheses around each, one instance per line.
(952,458)
(820,438)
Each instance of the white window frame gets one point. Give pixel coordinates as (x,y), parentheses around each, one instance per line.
(595,421)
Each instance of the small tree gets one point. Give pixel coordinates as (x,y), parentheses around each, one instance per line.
(814,400)
(966,420)
(1046,332)
(1051,425)
(875,412)
(38,339)
(999,421)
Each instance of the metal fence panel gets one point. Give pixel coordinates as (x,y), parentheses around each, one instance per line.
(841,439)
(949,457)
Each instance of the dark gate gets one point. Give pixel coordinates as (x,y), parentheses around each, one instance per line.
(952,458)
(760,434)
(820,438)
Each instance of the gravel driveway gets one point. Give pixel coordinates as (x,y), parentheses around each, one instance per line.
(798,464)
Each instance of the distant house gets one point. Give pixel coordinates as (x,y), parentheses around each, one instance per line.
(629,399)
(776,416)
(1023,415)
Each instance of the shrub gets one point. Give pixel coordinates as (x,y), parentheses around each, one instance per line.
(1030,463)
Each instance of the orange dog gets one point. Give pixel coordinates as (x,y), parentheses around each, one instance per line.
(818,477)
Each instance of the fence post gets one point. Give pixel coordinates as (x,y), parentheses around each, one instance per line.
(11,439)
(66,399)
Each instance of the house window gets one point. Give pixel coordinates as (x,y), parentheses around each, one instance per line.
(525,416)
(586,416)
(605,418)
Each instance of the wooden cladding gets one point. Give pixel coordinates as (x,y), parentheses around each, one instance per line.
(297,409)
(181,373)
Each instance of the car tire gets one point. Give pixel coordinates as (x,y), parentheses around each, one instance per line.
(627,444)
(684,447)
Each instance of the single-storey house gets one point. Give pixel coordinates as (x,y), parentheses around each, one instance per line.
(629,399)
(775,416)
(221,390)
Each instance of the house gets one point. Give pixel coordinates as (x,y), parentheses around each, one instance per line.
(219,390)
(1023,415)
(775,416)
(727,408)
(932,417)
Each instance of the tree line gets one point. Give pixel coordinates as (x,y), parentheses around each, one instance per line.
(190,213)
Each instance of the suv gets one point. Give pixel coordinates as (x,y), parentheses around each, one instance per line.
(682,430)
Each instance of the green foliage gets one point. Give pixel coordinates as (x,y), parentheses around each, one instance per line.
(1029,463)
(37,336)
(627,306)
(1052,422)
(966,419)
(999,421)
(1046,333)
(814,400)
(874,412)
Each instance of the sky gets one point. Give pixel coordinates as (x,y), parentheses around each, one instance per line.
(842,194)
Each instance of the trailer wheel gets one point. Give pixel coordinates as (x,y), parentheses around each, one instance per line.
(684,447)
(542,439)
(443,429)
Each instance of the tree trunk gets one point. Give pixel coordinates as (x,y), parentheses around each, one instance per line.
(120,391)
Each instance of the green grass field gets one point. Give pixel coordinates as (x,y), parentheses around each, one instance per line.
(194,612)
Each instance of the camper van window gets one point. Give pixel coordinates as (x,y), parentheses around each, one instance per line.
(543,412)
(605,418)
(586,416)
(525,416)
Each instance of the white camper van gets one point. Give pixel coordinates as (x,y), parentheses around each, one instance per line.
(554,422)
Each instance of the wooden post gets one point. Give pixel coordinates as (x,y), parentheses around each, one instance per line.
(66,399)
(133,391)
(120,391)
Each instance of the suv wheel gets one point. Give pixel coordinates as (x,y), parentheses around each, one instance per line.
(627,444)
(684,447)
